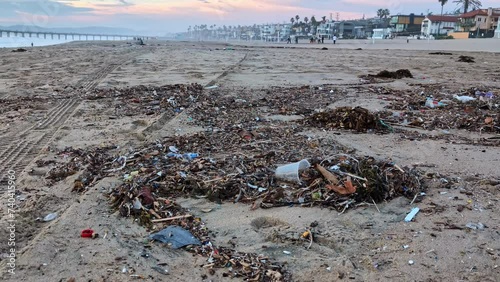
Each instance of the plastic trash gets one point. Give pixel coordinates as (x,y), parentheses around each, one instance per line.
(412,214)
(129,177)
(160,270)
(475,226)
(290,172)
(431,103)
(190,156)
(187,156)
(212,87)
(137,204)
(172,101)
(50,217)
(464,99)
(484,96)
(260,189)
(177,236)
(88,233)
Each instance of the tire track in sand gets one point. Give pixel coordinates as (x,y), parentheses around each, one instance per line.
(18,150)
(165,118)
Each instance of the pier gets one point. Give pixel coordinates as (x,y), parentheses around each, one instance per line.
(69,36)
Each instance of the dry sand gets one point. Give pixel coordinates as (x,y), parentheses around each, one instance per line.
(361,244)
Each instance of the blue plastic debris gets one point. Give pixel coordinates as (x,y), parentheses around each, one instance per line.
(186,156)
(412,214)
(177,236)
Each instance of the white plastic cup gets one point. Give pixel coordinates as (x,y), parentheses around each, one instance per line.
(290,172)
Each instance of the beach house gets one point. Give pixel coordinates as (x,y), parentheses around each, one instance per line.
(268,32)
(325,29)
(286,31)
(438,25)
(480,23)
(344,29)
(497,31)
(407,23)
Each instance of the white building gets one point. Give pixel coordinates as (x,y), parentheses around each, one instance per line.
(439,25)
(268,31)
(326,29)
(286,31)
(381,33)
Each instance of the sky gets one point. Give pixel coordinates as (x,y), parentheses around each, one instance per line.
(163,16)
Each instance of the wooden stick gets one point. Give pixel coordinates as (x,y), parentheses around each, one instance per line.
(219,178)
(375,205)
(328,175)
(353,175)
(155,214)
(400,169)
(171,218)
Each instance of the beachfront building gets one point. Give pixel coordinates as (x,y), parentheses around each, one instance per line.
(438,25)
(268,32)
(497,31)
(407,23)
(381,33)
(480,23)
(286,31)
(275,32)
(326,29)
(343,29)
(359,32)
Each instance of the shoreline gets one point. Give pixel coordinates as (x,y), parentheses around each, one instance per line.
(491,45)
(21,42)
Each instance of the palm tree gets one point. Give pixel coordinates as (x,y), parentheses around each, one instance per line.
(297,18)
(475,4)
(383,13)
(443,2)
(313,21)
(380,13)
(292,20)
(306,19)
(323,18)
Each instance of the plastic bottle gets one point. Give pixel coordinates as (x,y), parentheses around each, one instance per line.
(431,103)
(190,156)
(50,217)
(186,156)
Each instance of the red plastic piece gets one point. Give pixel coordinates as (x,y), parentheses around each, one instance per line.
(87,233)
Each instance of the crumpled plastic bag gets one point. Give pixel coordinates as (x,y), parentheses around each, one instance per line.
(177,236)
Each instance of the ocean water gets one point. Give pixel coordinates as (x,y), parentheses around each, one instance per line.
(17,42)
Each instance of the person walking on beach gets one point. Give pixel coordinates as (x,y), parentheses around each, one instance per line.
(322,39)
(334,38)
(296,40)
(288,40)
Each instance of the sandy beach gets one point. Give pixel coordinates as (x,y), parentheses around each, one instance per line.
(247,108)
